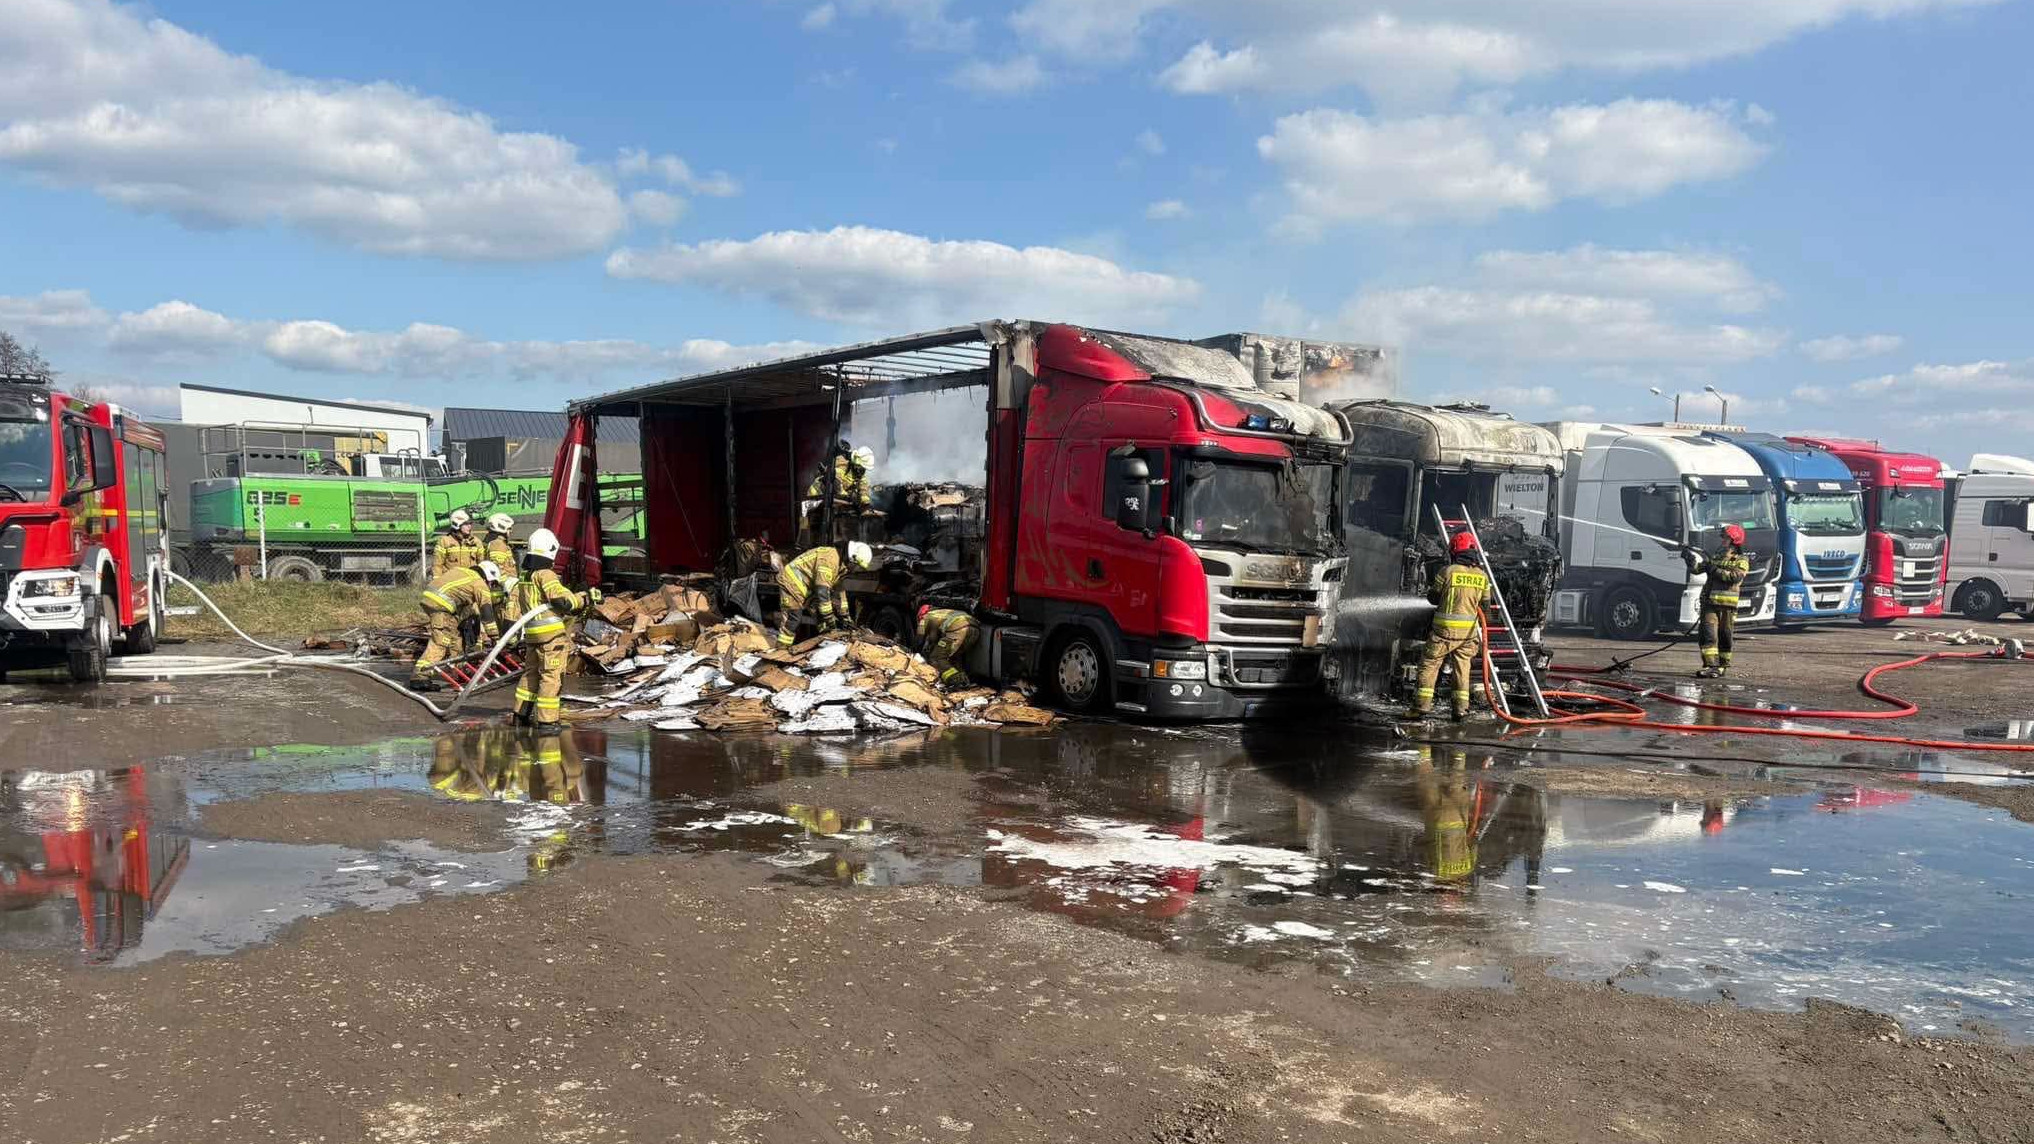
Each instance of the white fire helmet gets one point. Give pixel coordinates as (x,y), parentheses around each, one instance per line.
(544,543)
(490,571)
(459,518)
(860,555)
(501,522)
(864,458)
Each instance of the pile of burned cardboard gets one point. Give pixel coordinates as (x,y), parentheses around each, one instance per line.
(624,633)
(733,677)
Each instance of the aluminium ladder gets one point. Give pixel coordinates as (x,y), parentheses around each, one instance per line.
(1512,644)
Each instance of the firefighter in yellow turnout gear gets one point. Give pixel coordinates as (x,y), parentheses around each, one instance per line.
(851,484)
(1727,572)
(547,645)
(810,588)
(497,544)
(448,601)
(1458,591)
(458,548)
(944,636)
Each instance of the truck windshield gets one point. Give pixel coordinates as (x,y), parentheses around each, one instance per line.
(1827,514)
(1258,508)
(1916,512)
(1746,510)
(24,460)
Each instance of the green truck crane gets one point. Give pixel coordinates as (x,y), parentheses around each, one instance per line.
(359,515)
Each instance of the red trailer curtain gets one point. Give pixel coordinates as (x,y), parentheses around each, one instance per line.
(573,514)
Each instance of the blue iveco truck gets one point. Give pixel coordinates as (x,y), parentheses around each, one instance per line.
(1821,526)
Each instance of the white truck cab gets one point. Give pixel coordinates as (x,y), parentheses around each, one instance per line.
(1991,538)
(1631,497)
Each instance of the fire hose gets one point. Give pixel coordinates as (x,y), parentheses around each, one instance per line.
(282,657)
(1624,713)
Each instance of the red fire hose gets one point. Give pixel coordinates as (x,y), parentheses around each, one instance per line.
(1628,714)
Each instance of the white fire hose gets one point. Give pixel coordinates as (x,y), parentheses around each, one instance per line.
(191,665)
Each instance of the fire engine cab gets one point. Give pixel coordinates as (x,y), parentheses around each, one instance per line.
(82,489)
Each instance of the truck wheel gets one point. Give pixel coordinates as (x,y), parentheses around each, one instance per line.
(141,637)
(1077,672)
(888,622)
(302,569)
(1981,600)
(1625,613)
(87,653)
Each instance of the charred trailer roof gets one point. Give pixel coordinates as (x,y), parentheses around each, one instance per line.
(1450,436)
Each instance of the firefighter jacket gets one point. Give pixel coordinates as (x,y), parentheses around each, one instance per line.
(1726,575)
(850,484)
(819,567)
(543,590)
(1458,591)
(456,551)
(941,624)
(460,592)
(499,550)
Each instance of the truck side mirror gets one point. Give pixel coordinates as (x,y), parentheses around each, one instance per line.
(1133,493)
(2027,520)
(104,474)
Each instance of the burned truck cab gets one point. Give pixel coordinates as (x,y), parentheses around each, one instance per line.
(1405,462)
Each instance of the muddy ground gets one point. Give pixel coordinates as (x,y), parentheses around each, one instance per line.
(710,996)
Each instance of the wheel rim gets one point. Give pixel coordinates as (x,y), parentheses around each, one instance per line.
(1624,616)
(1080,672)
(105,633)
(1980,600)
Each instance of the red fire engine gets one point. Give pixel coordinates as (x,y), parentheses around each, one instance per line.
(82,490)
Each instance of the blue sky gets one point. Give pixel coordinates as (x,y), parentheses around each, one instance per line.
(1551,205)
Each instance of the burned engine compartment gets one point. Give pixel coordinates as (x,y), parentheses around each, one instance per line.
(1525,565)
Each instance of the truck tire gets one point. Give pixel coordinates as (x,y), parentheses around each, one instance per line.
(302,569)
(1077,673)
(1981,600)
(888,621)
(87,654)
(140,639)
(1625,613)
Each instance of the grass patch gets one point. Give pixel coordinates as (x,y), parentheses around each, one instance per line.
(292,609)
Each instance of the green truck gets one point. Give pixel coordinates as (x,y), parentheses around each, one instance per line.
(375,527)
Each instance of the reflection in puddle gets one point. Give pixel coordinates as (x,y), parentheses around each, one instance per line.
(1430,864)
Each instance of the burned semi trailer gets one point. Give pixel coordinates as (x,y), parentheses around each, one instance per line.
(1153,533)
(1405,462)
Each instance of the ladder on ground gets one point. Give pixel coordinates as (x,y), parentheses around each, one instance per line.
(456,674)
(1500,635)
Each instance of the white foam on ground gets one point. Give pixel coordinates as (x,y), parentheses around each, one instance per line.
(1135,844)
(1666,887)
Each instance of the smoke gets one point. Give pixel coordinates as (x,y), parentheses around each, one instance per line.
(938,436)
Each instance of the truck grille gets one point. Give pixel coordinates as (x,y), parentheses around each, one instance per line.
(1828,568)
(1265,610)
(1275,669)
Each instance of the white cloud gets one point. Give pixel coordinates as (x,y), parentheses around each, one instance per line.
(1717,279)
(1845,348)
(140,396)
(52,311)
(1927,383)
(1339,166)
(1166,210)
(174,330)
(676,172)
(159,120)
(1814,394)
(885,278)
(1547,326)
(926,22)
(1508,396)
(1423,52)
(1150,142)
(658,208)
(818,18)
(1013,76)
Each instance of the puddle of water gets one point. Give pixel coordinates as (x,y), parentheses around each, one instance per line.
(1370,859)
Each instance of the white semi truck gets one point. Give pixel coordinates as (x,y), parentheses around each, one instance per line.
(1991,538)
(1632,497)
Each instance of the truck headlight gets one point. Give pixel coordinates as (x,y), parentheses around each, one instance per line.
(50,586)
(1180,669)
(1882,591)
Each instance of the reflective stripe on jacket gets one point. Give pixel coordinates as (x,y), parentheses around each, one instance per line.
(942,622)
(815,566)
(1726,574)
(459,590)
(1458,592)
(542,590)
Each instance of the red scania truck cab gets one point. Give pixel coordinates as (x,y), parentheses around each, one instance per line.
(1907,528)
(82,486)
(1157,531)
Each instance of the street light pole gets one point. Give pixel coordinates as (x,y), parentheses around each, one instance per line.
(1721,400)
(1676,399)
